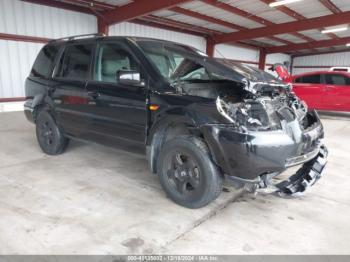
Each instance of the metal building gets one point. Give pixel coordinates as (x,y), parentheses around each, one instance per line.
(26,25)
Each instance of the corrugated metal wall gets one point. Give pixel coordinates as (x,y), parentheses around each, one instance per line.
(245,54)
(16,61)
(17,17)
(130,29)
(236,53)
(320,62)
(21,18)
(223,51)
(277,58)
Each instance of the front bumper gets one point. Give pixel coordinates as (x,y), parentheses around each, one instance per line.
(305,177)
(248,156)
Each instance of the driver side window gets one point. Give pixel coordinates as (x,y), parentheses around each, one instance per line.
(111,59)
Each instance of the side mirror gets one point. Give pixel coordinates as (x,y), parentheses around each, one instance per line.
(129,77)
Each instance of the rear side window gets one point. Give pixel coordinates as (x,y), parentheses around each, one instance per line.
(310,79)
(75,62)
(336,79)
(44,63)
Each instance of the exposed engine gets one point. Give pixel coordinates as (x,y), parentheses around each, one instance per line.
(266,112)
(269,107)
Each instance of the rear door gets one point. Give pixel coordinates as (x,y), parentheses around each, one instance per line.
(119,109)
(337,92)
(69,92)
(311,89)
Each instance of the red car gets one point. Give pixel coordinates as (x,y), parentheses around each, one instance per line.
(323,90)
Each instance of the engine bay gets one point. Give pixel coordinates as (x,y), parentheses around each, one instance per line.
(264,113)
(269,108)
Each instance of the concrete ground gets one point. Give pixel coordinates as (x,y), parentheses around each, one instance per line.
(98,200)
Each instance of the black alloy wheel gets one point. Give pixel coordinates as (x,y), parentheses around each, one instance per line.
(186,172)
(49,135)
(183,174)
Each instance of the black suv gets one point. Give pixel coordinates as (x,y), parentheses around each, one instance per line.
(199,119)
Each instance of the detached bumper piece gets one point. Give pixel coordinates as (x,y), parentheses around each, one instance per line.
(305,177)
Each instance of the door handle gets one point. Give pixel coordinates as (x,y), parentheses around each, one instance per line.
(93,94)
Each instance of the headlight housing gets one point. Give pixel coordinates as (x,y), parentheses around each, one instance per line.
(248,116)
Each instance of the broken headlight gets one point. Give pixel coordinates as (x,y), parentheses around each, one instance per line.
(250,116)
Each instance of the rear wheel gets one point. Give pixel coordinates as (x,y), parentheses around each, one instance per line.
(187,173)
(49,136)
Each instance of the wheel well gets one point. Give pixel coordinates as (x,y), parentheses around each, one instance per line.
(43,106)
(175,130)
(36,111)
(164,134)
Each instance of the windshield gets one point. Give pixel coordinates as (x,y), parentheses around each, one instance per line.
(176,62)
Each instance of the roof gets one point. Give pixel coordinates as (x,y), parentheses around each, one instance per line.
(91,37)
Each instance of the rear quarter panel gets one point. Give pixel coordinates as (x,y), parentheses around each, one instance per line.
(35,87)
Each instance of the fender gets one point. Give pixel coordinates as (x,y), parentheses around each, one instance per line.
(158,131)
(37,94)
(38,100)
(31,104)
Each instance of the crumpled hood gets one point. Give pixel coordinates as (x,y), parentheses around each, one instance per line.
(252,78)
(248,72)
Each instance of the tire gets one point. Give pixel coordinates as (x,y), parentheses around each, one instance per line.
(187,174)
(50,138)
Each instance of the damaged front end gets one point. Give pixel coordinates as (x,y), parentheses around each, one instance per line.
(306,176)
(270,108)
(271,131)
(257,128)
(296,184)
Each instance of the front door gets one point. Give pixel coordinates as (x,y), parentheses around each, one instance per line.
(119,109)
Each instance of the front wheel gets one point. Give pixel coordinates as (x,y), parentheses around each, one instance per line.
(49,135)
(187,174)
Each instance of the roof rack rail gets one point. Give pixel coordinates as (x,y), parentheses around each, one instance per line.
(70,38)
